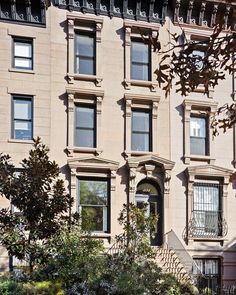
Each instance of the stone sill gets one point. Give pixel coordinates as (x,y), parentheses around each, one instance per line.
(88,150)
(207,159)
(137,153)
(142,83)
(24,141)
(21,71)
(90,78)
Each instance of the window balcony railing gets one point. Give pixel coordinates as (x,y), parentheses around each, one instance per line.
(207,225)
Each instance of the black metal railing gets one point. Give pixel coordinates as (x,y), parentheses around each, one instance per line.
(208,284)
(207,224)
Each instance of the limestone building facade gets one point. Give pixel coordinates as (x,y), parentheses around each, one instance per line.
(81,76)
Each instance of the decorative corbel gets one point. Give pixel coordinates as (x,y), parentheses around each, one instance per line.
(71,29)
(127,36)
(98,82)
(127,84)
(113,180)
(99,104)
(73,178)
(149,170)
(167,181)
(132,176)
(98,32)
(70,102)
(128,108)
(154,109)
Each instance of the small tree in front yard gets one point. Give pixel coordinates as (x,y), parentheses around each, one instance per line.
(40,197)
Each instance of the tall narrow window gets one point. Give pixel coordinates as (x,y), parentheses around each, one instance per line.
(207,276)
(22,54)
(85,54)
(93,202)
(141,130)
(207,213)
(140,61)
(198,136)
(85,130)
(22,126)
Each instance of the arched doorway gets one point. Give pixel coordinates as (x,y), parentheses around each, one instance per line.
(149,192)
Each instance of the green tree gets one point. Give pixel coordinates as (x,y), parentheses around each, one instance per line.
(39,195)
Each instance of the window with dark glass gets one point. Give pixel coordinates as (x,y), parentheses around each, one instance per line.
(22,54)
(22,125)
(207,275)
(198,56)
(199,135)
(140,60)
(207,214)
(141,130)
(85,54)
(85,122)
(93,202)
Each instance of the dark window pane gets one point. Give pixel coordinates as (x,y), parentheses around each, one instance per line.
(139,52)
(93,192)
(22,109)
(22,119)
(140,72)
(85,66)
(94,218)
(85,117)
(140,142)
(23,55)
(140,121)
(93,200)
(84,45)
(198,136)
(197,127)
(198,55)
(197,146)
(22,130)
(84,138)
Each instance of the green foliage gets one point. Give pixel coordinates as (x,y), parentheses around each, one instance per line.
(9,286)
(40,196)
(74,257)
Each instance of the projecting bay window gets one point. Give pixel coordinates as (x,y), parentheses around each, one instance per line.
(22,118)
(85,126)
(140,60)
(207,215)
(207,275)
(199,136)
(93,204)
(141,131)
(85,53)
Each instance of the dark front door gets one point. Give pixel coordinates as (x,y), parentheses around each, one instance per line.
(155,206)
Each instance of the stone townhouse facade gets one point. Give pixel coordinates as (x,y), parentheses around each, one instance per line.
(80,75)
